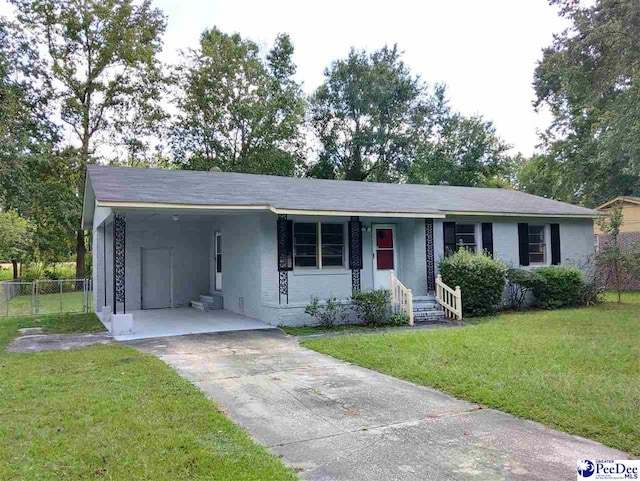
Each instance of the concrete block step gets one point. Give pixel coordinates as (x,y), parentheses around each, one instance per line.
(434,316)
(424,299)
(198,305)
(425,307)
(206,298)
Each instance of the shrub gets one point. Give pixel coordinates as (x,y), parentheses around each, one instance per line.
(399,319)
(519,283)
(326,313)
(480,278)
(558,287)
(373,307)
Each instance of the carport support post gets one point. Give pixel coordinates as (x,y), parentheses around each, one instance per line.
(119,248)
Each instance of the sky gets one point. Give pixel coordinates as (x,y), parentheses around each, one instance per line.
(484,51)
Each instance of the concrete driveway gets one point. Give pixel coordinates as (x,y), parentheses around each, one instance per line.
(335,421)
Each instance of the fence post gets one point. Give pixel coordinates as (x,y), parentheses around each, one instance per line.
(60,295)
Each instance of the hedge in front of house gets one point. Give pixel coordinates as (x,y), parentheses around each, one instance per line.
(481,279)
(557,287)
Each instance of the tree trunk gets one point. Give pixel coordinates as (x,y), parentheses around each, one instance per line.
(14,262)
(80,251)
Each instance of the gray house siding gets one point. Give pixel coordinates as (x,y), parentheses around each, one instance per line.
(189,245)
(242,263)
(249,245)
(577,241)
(305,283)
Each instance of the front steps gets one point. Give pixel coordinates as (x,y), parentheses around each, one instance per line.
(426,309)
(207,302)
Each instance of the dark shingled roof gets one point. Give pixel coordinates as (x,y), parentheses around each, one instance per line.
(126,184)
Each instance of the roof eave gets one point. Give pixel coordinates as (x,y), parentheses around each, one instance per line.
(526,214)
(275,210)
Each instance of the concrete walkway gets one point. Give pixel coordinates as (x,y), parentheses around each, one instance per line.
(335,421)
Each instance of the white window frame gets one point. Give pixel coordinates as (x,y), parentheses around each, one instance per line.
(545,247)
(475,235)
(319,265)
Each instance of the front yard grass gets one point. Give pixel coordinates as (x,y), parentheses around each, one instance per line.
(110,412)
(577,370)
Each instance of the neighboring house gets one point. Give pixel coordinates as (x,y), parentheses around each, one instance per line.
(629,236)
(262,245)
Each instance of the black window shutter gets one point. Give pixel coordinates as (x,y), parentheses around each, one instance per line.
(285,244)
(523,243)
(555,244)
(449,232)
(487,238)
(355,244)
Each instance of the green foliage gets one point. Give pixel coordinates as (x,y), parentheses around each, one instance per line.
(101,55)
(558,286)
(617,265)
(377,121)
(399,319)
(99,62)
(15,236)
(589,80)
(237,110)
(466,151)
(110,411)
(527,364)
(481,279)
(366,115)
(373,307)
(520,282)
(326,313)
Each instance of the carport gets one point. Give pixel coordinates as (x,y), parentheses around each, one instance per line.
(181,321)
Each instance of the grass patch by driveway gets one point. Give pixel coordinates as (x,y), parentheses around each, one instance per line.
(577,370)
(110,412)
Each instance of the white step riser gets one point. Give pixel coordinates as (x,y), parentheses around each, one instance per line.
(197,305)
(205,298)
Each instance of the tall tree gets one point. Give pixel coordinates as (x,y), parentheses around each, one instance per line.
(590,79)
(101,57)
(36,182)
(465,151)
(367,116)
(237,111)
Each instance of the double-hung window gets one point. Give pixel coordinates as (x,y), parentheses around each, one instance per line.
(318,245)
(537,245)
(466,236)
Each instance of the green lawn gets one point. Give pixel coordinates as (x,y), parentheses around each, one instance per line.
(307,330)
(110,412)
(49,304)
(577,370)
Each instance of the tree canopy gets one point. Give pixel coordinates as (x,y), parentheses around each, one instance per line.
(100,62)
(589,79)
(377,121)
(238,111)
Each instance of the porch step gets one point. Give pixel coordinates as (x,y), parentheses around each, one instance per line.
(206,298)
(427,309)
(198,305)
(434,315)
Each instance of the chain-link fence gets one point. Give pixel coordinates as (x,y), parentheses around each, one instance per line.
(45,297)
